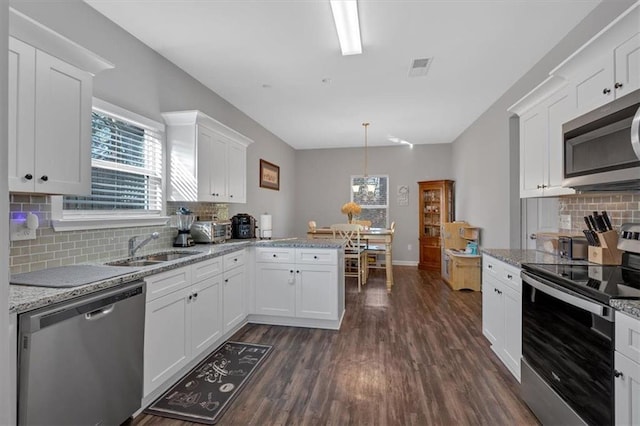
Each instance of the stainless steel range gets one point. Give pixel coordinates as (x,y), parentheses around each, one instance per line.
(568,334)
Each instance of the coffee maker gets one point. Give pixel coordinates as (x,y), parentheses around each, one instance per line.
(243,226)
(184,219)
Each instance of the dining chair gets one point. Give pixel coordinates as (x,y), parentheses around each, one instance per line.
(354,251)
(312,225)
(376,251)
(365,223)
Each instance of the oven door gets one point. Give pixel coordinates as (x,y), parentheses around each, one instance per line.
(567,341)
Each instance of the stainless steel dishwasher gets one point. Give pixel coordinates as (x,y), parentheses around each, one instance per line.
(80,362)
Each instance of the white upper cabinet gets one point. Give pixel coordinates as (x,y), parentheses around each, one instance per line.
(605,68)
(542,113)
(50,91)
(207,160)
(608,66)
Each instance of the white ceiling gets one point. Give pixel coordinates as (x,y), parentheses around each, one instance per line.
(269,59)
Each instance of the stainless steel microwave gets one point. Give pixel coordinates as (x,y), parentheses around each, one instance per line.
(602,147)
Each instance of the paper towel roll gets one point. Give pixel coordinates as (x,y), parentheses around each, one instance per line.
(265,226)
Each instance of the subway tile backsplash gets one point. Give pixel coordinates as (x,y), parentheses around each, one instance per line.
(621,208)
(51,249)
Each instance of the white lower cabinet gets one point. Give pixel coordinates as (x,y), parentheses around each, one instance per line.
(314,298)
(188,311)
(234,296)
(502,311)
(298,286)
(627,370)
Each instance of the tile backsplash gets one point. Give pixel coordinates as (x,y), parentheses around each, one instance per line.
(51,248)
(621,208)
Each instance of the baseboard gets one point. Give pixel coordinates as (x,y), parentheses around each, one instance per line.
(405,263)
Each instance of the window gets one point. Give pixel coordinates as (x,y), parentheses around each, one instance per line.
(372,193)
(126,172)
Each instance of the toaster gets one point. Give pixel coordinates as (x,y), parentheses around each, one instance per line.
(210,231)
(574,248)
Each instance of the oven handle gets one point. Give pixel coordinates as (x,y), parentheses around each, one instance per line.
(578,302)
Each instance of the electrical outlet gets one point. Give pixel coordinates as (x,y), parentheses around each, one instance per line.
(409,247)
(19,232)
(565,221)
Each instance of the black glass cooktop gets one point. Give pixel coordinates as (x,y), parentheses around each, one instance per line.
(594,281)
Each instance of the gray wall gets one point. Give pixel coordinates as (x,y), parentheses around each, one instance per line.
(485,159)
(146,83)
(4,224)
(323,185)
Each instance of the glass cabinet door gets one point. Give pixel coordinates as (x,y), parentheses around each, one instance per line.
(431,211)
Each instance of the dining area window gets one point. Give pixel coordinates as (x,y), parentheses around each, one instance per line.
(372,194)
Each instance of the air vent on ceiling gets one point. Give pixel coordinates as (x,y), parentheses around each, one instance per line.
(420,67)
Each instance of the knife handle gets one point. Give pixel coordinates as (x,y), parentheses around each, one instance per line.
(607,222)
(586,220)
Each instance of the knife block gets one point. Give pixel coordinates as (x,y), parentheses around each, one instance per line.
(607,253)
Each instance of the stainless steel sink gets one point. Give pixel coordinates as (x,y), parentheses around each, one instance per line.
(165,257)
(152,259)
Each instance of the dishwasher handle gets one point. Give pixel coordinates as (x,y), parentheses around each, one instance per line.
(99,313)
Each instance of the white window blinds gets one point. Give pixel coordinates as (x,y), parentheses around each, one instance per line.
(126,168)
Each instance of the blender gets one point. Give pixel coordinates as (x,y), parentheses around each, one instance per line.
(184,220)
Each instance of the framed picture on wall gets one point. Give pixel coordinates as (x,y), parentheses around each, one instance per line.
(269,175)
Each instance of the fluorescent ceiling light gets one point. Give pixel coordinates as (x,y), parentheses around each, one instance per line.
(345,15)
(398,140)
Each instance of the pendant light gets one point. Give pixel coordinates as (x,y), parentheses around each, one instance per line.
(370,187)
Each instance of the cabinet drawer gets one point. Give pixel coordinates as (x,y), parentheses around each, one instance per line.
(167,282)
(628,336)
(315,256)
(275,255)
(233,260)
(491,266)
(206,269)
(510,275)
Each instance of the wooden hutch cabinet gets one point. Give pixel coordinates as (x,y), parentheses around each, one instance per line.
(436,205)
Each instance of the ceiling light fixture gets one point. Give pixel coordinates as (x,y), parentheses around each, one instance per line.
(345,15)
(398,140)
(370,187)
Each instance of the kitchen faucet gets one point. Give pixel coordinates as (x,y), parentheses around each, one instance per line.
(133,248)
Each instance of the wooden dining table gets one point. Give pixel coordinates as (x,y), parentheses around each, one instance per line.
(377,235)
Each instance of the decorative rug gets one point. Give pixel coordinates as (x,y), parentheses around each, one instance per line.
(204,394)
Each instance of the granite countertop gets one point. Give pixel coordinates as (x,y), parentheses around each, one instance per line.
(517,257)
(24,298)
(302,243)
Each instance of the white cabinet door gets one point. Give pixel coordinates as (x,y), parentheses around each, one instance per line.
(512,340)
(22,76)
(627,391)
(219,169)
(167,343)
(492,321)
(205,301)
(533,147)
(63,127)
(560,109)
(234,308)
(593,83)
(237,174)
(317,292)
(627,66)
(275,290)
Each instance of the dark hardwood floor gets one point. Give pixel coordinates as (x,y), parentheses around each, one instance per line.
(414,357)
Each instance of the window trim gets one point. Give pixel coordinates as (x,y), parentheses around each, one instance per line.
(62,221)
(373,206)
